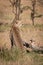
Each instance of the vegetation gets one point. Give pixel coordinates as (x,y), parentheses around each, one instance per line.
(10,55)
(4,27)
(14,55)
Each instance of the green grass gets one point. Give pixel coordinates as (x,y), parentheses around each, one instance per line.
(35,26)
(24,26)
(4,27)
(10,55)
(37,58)
(15,55)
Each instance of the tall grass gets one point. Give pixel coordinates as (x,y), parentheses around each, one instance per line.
(15,55)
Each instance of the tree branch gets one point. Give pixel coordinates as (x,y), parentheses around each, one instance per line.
(25,8)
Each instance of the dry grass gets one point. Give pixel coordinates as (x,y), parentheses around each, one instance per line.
(32,32)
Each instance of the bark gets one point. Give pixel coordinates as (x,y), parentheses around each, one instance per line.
(33,11)
(18,3)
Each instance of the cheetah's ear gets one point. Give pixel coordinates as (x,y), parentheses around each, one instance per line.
(31,40)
